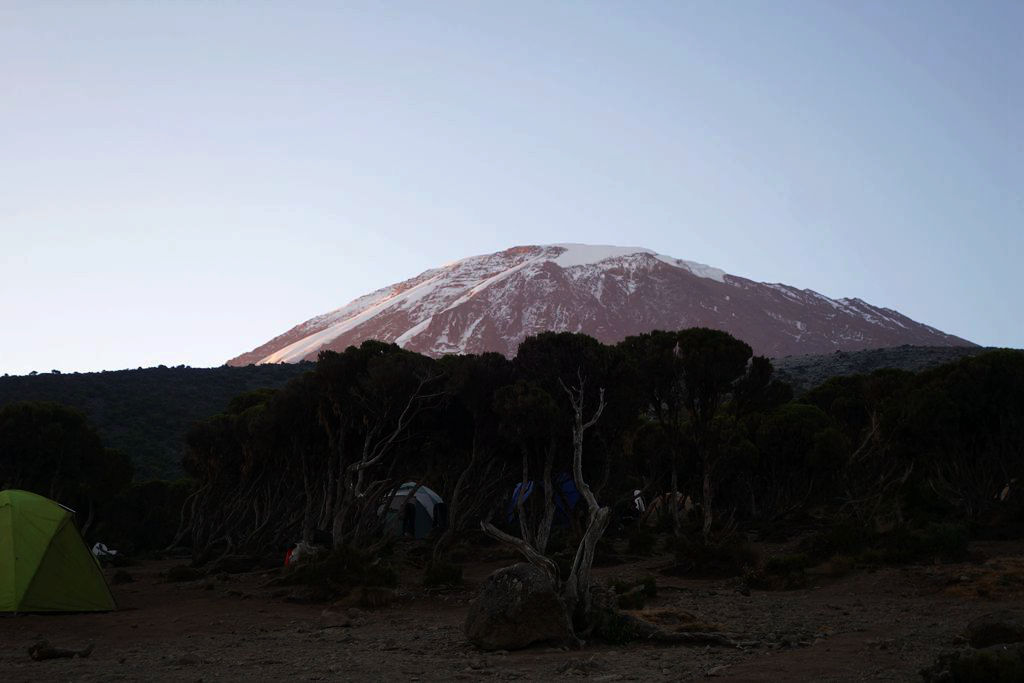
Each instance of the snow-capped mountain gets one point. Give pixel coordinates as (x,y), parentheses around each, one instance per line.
(492,302)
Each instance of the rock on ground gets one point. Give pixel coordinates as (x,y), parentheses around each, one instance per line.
(996,664)
(995,628)
(517,607)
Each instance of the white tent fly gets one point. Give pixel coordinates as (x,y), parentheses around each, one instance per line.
(415,510)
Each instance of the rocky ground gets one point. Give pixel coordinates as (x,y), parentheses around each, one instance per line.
(885,624)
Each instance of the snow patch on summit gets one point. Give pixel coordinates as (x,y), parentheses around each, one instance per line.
(588,254)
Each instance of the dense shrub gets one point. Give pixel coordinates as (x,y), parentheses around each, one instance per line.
(781,572)
(634,593)
(934,542)
(341,571)
(903,545)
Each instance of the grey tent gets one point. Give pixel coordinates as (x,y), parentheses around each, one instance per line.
(415,510)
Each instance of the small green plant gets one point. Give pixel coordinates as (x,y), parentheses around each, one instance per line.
(634,594)
(632,601)
(615,628)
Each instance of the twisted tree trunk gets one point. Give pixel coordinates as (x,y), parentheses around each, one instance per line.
(577,587)
(574,588)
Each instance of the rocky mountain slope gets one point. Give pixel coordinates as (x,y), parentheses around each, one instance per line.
(492,302)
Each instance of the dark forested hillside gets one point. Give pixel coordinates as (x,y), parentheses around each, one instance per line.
(805,372)
(145,413)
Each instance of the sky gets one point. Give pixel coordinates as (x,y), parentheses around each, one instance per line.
(182,181)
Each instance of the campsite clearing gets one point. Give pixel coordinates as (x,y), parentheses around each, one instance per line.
(885,624)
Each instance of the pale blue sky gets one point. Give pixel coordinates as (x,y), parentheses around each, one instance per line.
(181,181)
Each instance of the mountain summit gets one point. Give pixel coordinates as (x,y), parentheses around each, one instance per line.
(492,302)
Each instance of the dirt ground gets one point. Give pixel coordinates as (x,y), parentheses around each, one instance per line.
(885,624)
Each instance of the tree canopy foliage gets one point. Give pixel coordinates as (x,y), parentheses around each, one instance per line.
(687,415)
(53,450)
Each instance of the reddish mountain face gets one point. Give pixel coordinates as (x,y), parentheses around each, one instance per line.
(492,302)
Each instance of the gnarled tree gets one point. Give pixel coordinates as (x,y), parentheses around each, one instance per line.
(371,401)
(572,366)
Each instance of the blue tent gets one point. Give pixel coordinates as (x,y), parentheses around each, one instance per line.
(566,496)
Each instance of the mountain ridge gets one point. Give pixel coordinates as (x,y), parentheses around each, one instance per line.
(491,302)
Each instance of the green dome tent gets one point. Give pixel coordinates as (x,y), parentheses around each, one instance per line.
(44,564)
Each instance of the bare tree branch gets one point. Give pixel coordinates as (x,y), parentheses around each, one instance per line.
(527,550)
